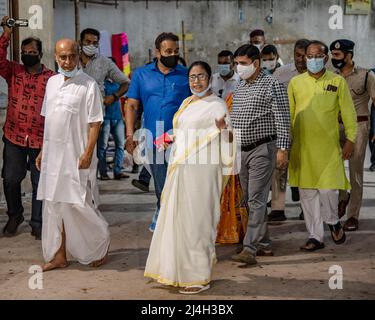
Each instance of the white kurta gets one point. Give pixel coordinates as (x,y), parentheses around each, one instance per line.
(69,107)
(182,251)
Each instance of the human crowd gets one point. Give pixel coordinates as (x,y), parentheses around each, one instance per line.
(215,143)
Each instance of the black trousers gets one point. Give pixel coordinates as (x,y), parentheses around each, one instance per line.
(17,160)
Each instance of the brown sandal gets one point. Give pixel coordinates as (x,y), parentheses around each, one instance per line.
(312,245)
(337,233)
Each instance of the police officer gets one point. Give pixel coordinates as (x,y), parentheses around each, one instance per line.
(361,84)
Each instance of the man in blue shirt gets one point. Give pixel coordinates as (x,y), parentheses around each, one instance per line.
(113,124)
(160,87)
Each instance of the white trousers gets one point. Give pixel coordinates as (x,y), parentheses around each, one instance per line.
(319,206)
(86,230)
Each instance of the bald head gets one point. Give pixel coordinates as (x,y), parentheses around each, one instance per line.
(67,54)
(66,44)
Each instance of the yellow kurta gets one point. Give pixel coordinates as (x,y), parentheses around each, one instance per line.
(316,156)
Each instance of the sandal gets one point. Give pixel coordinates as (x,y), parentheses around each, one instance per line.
(312,245)
(199,287)
(337,233)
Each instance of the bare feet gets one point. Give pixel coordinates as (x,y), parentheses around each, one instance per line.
(55,264)
(100,262)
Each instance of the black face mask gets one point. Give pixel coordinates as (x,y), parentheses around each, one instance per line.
(170,61)
(338,63)
(30,60)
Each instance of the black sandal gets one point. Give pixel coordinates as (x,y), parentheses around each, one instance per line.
(312,245)
(335,232)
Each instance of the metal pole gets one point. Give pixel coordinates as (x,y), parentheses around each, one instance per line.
(15,48)
(183,40)
(77,19)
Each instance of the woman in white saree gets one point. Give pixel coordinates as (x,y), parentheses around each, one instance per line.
(182,252)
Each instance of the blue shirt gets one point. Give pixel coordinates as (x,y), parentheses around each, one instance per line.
(160,95)
(113,111)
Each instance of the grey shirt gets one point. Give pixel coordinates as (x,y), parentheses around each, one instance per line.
(101,68)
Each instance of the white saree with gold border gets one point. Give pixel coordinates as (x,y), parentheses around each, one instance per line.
(182,251)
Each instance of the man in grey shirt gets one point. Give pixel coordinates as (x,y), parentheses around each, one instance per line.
(102,68)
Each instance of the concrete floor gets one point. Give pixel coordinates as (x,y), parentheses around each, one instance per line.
(290,274)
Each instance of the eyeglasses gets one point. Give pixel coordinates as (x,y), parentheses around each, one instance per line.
(200,77)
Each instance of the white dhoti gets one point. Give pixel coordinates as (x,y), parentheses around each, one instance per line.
(87,233)
(69,194)
(319,206)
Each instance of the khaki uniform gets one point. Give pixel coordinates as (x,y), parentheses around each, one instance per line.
(361,98)
(280,176)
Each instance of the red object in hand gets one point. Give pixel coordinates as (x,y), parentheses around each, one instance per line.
(160,141)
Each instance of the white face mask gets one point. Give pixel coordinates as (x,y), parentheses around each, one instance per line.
(202,93)
(270,65)
(245,72)
(259,46)
(68,74)
(90,50)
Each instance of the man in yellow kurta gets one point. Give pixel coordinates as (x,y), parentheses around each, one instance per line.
(317,98)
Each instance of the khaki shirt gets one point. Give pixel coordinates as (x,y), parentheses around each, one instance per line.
(360,96)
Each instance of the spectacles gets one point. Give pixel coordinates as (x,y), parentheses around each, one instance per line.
(200,77)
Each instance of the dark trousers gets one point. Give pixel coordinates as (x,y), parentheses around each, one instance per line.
(145,176)
(17,160)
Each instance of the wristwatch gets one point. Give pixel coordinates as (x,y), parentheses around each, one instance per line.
(115,96)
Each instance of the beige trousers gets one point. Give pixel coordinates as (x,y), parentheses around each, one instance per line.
(356,163)
(279,183)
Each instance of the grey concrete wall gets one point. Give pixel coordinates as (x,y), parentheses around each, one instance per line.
(216,25)
(46,34)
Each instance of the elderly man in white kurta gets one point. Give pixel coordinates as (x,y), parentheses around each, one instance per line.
(73,114)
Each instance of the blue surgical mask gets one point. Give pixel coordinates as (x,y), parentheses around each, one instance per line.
(315,65)
(202,93)
(68,74)
(224,69)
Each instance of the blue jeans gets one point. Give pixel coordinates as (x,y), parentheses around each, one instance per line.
(159,173)
(117,129)
(372,133)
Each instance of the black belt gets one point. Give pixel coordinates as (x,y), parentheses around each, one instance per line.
(359,119)
(258,143)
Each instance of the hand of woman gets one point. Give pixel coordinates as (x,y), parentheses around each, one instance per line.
(221,124)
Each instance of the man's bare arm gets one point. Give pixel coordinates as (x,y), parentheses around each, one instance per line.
(86,158)
(108,100)
(130,118)
(38,160)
